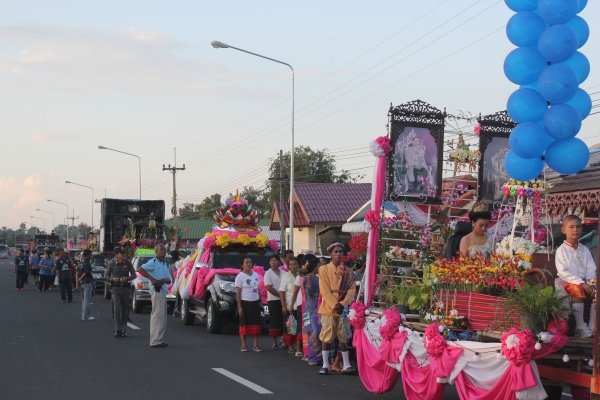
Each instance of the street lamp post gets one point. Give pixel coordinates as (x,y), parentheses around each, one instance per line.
(43,220)
(92,189)
(48,212)
(220,45)
(67,222)
(132,155)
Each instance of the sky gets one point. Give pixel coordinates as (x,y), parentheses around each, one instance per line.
(141,77)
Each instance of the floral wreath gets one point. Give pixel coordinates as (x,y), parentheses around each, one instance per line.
(532,188)
(381,146)
(357,315)
(389,323)
(518,346)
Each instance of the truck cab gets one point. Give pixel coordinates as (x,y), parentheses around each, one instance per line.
(218,303)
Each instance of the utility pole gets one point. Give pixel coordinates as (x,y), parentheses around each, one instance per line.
(73,218)
(281,181)
(174,170)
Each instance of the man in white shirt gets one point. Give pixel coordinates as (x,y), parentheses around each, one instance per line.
(272,282)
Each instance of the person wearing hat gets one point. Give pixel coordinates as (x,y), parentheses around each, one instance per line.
(119,275)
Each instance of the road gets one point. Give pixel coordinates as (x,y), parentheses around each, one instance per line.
(48,352)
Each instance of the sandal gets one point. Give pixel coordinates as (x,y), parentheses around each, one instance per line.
(256,349)
(243,349)
(323,371)
(276,347)
(349,371)
(299,354)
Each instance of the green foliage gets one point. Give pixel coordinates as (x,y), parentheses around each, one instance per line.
(537,300)
(419,297)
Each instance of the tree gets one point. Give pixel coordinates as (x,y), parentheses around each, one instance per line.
(256,198)
(188,211)
(311,166)
(209,205)
(82,230)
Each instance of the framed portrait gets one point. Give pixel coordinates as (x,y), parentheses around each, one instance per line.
(492,174)
(414,171)
(414,167)
(493,146)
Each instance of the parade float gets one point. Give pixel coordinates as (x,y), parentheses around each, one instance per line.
(205,279)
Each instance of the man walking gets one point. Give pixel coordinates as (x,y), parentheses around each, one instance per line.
(34,262)
(157,271)
(64,268)
(119,275)
(86,282)
(21,267)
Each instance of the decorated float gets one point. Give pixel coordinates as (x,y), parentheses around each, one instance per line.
(204,280)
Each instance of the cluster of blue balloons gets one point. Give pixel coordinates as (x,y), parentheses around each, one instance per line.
(549,105)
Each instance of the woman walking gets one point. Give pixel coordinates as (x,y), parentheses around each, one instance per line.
(46,266)
(292,307)
(311,327)
(272,282)
(248,303)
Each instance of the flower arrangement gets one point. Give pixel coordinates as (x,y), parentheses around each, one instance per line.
(225,239)
(358,247)
(389,323)
(462,155)
(521,248)
(473,274)
(236,212)
(402,253)
(434,342)
(373,217)
(532,188)
(381,146)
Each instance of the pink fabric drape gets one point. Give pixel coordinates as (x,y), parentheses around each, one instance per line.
(418,382)
(377,191)
(375,374)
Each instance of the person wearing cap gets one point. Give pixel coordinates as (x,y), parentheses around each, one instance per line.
(21,267)
(157,272)
(119,275)
(337,288)
(86,282)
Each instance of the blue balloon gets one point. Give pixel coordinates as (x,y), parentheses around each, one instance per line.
(524,29)
(558,83)
(533,85)
(580,65)
(580,28)
(529,140)
(581,5)
(523,65)
(557,11)
(562,121)
(567,156)
(526,105)
(521,5)
(557,43)
(522,169)
(581,102)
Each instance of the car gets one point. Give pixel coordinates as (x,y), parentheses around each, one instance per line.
(218,304)
(140,286)
(98,262)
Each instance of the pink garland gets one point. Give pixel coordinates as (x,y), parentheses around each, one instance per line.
(274,245)
(209,242)
(434,342)
(373,218)
(384,144)
(392,322)
(261,283)
(357,315)
(518,346)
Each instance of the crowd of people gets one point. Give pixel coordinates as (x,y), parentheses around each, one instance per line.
(308,301)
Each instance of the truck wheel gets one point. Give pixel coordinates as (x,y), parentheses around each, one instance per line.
(136,306)
(213,324)
(106,292)
(186,316)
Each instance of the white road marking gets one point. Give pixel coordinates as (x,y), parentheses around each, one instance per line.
(258,389)
(132,326)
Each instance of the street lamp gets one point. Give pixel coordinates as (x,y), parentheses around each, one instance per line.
(47,212)
(43,220)
(92,189)
(132,155)
(67,220)
(220,45)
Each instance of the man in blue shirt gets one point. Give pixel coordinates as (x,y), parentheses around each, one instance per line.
(157,271)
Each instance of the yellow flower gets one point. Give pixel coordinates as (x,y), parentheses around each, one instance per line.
(244,239)
(262,240)
(223,240)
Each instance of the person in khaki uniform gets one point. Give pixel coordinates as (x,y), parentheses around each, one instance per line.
(119,275)
(337,288)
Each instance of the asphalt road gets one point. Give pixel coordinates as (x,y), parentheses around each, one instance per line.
(47,352)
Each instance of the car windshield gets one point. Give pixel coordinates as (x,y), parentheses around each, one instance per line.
(141,260)
(232,256)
